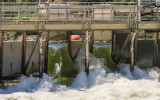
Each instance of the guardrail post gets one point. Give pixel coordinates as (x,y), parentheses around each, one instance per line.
(19,16)
(157,12)
(1,53)
(92,16)
(2,13)
(138,13)
(66,13)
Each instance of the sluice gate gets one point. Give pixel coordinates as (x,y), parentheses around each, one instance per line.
(133,30)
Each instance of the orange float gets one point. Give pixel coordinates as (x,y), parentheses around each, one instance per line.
(75,37)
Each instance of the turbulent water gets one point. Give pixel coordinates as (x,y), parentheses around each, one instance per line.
(100,84)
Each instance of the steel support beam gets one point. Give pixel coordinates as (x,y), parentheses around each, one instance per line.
(41,59)
(91,37)
(87,52)
(23,53)
(132,50)
(46,52)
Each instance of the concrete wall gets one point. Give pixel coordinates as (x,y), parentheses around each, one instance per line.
(34,63)
(57,35)
(103,35)
(12,57)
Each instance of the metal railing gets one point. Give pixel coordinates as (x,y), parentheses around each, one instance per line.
(78,12)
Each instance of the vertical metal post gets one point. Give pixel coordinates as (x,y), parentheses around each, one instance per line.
(1,53)
(58,12)
(23,53)
(2,13)
(66,13)
(47,14)
(46,52)
(19,16)
(138,13)
(157,11)
(87,52)
(130,16)
(111,14)
(92,16)
(41,55)
(84,15)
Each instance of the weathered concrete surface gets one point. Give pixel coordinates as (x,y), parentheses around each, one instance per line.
(12,57)
(34,62)
(57,35)
(103,35)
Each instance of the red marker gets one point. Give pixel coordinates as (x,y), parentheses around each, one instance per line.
(75,37)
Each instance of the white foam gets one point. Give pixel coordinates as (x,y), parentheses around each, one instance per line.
(100,84)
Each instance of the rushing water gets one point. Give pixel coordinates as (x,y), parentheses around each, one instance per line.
(100,84)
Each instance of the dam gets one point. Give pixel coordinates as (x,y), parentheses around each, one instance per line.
(80,50)
(118,22)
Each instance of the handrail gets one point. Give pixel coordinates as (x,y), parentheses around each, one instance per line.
(82,11)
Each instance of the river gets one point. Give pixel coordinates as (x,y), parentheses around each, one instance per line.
(100,84)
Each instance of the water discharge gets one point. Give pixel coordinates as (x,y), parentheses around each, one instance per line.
(100,84)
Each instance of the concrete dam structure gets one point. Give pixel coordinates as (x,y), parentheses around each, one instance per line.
(132,28)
